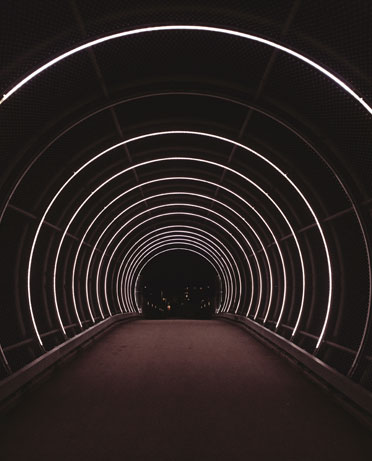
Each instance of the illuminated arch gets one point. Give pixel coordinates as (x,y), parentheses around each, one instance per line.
(220,30)
(179,239)
(171,249)
(217,214)
(191,179)
(207,162)
(132,258)
(178,213)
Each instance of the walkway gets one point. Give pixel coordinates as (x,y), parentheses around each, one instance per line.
(180,390)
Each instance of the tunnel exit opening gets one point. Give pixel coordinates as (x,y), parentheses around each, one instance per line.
(178,284)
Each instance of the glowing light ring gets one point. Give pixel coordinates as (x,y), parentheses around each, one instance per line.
(229,299)
(287,50)
(166,251)
(157,230)
(119,230)
(228,289)
(126,170)
(108,307)
(233,171)
(121,272)
(171,235)
(362,227)
(282,48)
(73,217)
(175,229)
(157,254)
(151,182)
(162,215)
(207,198)
(183,178)
(153,246)
(178,213)
(179,242)
(220,30)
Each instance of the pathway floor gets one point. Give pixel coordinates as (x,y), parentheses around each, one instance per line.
(180,390)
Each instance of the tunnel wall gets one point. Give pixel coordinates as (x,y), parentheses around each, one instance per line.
(230,131)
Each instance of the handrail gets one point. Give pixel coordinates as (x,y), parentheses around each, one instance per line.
(17,381)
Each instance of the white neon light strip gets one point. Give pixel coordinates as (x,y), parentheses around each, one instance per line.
(226,305)
(136,166)
(233,171)
(140,224)
(177,213)
(207,198)
(141,185)
(133,205)
(213,261)
(220,30)
(171,233)
(170,237)
(166,251)
(186,178)
(166,215)
(119,230)
(154,246)
(167,229)
(228,293)
(220,244)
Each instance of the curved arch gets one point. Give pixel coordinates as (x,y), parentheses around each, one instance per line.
(210,163)
(168,250)
(147,163)
(177,240)
(355,207)
(217,214)
(176,178)
(220,30)
(122,270)
(176,226)
(170,235)
(174,213)
(336,331)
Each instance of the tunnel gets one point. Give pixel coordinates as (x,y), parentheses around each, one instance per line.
(185,230)
(179,282)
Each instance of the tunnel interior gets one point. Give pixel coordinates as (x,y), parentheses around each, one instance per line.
(223,147)
(179,283)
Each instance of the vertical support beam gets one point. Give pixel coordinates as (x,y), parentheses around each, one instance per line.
(295,7)
(4,362)
(105,91)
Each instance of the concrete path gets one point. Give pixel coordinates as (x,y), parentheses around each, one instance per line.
(180,390)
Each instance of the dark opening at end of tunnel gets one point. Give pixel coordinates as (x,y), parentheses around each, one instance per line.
(178,284)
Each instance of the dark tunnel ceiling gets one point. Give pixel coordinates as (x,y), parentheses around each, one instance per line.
(256,151)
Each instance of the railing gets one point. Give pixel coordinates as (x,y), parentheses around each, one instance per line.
(13,385)
(356,398)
